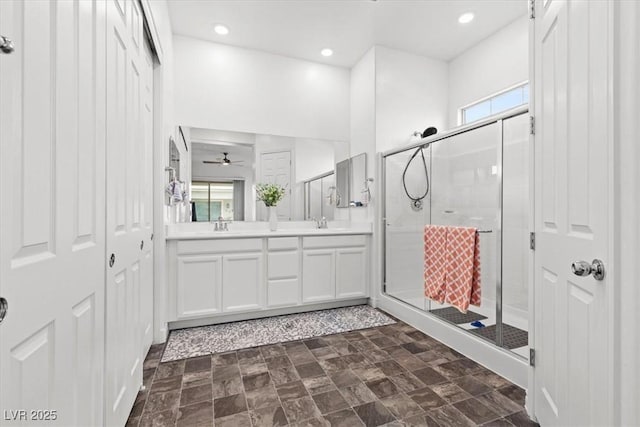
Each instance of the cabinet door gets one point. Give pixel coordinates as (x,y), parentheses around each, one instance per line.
(198,289)
(351,272)
(318,275)
(242,282)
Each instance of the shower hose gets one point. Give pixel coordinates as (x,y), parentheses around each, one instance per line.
(416,202)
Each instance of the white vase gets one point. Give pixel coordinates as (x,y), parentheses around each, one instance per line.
(273,218)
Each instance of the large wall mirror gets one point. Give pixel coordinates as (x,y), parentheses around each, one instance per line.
(226,166)
(352,182)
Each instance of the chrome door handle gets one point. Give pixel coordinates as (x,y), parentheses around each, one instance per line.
(4,307)
(6,45)
(583,269)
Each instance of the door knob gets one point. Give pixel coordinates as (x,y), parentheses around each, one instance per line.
(4,307)
(583,269)
(6,45)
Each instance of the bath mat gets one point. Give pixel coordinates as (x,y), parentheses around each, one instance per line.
(453,315)
(512,337)
(203,340)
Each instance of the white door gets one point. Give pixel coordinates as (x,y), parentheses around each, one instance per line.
(573,337)
(276,169)
(128,213)
(52,169)
(146,206)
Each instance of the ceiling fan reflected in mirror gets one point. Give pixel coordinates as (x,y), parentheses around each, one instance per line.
(224,161)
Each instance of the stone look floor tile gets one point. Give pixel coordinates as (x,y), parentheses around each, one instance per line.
(254,381)
(263,385)
(241,419)
(476,411)
(291,391)
(269,417)
(225,406)
(318,385)
(401,406)
(300,409)
(196,394)
(200,414)
(344,418)
(374,414)
(330,401)
(450,416)
(262,397)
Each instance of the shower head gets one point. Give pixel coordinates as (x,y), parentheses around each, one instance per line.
(427,132)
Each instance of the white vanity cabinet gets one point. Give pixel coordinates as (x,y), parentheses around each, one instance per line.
(225,279)
(283,271)
(334,267)
(216,276)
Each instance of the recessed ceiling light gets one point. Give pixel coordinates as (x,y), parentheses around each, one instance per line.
(221,29)
(326,52)
(465,18)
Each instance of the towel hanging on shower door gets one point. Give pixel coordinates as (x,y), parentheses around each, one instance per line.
(452,265)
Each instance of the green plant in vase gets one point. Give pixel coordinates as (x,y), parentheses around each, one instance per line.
(271,194)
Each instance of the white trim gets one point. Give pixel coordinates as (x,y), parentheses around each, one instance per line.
(626,152)
(153,30)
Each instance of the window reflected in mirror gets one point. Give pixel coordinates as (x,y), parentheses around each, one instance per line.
(214,200)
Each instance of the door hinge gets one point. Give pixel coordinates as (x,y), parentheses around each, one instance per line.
(532,9)
(532,125)
(532,357)
(532,241)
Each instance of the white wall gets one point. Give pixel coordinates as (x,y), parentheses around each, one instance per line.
(363,122)
(164,126)
(411,94)
(497,62)
(230,88)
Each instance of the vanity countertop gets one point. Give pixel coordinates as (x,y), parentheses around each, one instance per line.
(194,231)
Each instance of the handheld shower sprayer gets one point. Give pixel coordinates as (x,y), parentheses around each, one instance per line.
(417,201)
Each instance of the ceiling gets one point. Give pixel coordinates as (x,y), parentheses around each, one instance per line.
(301,28)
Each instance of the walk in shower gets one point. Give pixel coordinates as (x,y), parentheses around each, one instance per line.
(476,176)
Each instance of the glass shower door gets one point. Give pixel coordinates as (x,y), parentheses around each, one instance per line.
(477,178)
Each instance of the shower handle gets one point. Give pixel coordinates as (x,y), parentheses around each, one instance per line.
(583,269)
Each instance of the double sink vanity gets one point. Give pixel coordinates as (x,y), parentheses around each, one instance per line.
(249,271)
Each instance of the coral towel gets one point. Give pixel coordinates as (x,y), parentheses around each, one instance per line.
(452,265)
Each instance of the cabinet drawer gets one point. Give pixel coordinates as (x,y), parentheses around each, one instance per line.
(282,292)
(333,241)
(219,246)
(283,243)
(282,265)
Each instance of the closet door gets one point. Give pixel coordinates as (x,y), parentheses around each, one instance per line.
(128,218)
(52,169)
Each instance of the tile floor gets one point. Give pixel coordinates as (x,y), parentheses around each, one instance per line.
(390,375)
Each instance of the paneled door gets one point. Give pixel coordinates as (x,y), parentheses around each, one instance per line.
(276,169)
(52,245)
(128,209)
(573,338)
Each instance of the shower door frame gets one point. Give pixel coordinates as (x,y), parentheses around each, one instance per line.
(495,119)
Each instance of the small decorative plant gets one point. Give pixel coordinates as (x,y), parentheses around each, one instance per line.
(270,194)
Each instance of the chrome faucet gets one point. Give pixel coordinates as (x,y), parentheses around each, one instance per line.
(221,225)
(321,223)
